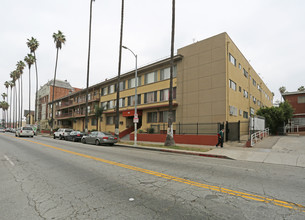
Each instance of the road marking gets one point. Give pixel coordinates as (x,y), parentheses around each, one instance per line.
(9,160)
(281,203)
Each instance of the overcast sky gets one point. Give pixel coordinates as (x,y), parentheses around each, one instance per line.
(270,34)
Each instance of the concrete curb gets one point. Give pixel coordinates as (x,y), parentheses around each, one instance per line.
(177,151)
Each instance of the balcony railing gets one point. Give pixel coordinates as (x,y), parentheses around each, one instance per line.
(73,115)
(81,101)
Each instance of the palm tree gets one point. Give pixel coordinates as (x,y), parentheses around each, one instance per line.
(33,44)
(282,89)
(14,78)
(12,84)
(59,39)
(170,136)
(301,89)
(4,95)
(7,85)
(117,118)
(20,67)
(98,112)
(30,60)
(88,67)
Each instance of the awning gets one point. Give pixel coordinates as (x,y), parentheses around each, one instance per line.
(130,113)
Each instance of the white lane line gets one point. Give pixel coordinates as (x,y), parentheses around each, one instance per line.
(9,160)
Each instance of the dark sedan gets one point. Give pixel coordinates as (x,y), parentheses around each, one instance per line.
(74,136)
(98,137)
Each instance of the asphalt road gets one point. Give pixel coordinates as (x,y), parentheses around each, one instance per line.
(42,178)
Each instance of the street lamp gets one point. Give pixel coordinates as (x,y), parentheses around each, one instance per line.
(136,118)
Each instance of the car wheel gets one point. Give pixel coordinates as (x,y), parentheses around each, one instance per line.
(111,144)
(97,142)
(83,141)
(60,137)
(54,136)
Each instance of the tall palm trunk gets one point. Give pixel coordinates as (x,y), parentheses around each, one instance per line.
(170,136)
(52,118)
(15,108)
(29,95)
(21,103)
(7,109)
(117,118)
(88,68)
(11,107)
(36,96)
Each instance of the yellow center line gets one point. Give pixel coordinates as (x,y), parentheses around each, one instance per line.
(289,205)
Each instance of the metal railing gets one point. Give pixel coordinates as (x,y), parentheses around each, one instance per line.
(258,136)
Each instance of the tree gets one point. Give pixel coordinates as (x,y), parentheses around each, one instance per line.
(4,95)
(301,89)
(7,85)
(20,67)
(12,84)
(30,60)
(14,78)
(282,89)
(170,136)
(33,44)
(59,40)
(88,68)
(98,112)
(117,118)
(275,117)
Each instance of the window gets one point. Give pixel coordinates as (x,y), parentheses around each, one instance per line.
(254,82)
(105,91)
(110,120)
(245,73)
(240,89)
(163,116)
(240,112)
(165,73)
(132,82)
(93,121)
(258,103)
(122,86)
(104,105)
(111,104)
(239,66)
(232,59)
(251,111)
(164,94)
(245,94)
(111,89)
(245,114)
(259,88)
(232,85)
(89,96)
(131,100)
(254,100)
(233,110)
(150,78)
(150,97)
(122,102)
(151,117)
(301,99)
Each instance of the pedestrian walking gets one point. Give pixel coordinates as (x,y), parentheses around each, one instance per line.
(220,138)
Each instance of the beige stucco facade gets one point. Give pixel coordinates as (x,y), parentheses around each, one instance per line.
(210,86)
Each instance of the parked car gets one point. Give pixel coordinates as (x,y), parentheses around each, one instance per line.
(8,130)
(24,132)
(61,133)
(2,130)
(98,137)
(74,136)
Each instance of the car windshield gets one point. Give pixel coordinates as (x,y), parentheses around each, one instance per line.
(69,130)
(27,128)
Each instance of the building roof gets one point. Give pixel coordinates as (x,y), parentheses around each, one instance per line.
(293,93)
(60,83)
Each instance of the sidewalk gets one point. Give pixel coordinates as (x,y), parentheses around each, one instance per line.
(285,150)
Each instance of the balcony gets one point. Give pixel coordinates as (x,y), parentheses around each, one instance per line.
(81,101)
(70,115)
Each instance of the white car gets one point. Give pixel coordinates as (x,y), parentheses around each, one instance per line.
(61,133)
(24,132)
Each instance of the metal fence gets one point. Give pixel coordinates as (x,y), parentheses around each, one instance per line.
(190,128)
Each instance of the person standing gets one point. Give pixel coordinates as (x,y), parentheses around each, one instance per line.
(220,138)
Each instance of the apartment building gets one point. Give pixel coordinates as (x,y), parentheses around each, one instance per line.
(45,94)
(213,82)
